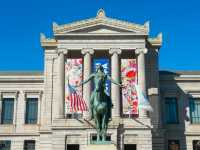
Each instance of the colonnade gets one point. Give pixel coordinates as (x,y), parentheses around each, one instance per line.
(115,74)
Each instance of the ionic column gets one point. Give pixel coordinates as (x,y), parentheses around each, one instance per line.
(87,70)
(61,85)
(141,75)
(115,89)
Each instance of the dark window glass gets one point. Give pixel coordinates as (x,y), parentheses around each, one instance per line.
(94,138)
(7,110)
(130,147)
(74,116)
(196,145)
(171,110)
(72,146)
(173,145)
(195,110)
(31,111)
(5,145)
(29,145)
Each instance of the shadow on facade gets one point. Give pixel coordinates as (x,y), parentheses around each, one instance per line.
(175,138)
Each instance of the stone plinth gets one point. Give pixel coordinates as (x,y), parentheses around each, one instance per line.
(101,147)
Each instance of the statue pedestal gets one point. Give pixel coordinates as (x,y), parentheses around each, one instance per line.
(101,147)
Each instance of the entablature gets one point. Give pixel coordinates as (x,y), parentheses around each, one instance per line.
(20,77)
(47,42)
(156,41)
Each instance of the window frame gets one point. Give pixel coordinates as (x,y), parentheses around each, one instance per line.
(9,94)
(30,101)
(193,99)
(169,99)
(3,122)
(33,94)
(27,142)
(4,141)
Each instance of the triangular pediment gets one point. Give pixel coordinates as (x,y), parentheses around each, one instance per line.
(100,25)
(103,30)
(99,28)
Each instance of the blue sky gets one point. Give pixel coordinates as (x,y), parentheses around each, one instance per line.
(21,22)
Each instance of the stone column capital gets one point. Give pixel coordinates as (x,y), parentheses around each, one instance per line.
(141,50)
(115,50)
(87,50)
(62,51)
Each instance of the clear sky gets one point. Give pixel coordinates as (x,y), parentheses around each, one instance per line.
(21,22)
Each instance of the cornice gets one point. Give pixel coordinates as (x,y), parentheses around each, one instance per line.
(35,92)
(21,73)
(21,79)
(179,78)
(157,41)
(47,42)
(100,19)
(9,91)
(21,76)
(15,93)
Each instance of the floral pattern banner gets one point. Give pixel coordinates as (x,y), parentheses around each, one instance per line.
(73,75)
(129,79)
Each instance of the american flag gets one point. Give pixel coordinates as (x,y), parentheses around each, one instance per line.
(77,103)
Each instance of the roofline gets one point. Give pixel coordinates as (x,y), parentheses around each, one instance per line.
(179,72)
(100,19)
(23,73)
(181,76)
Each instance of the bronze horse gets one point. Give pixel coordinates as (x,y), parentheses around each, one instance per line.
(100,102)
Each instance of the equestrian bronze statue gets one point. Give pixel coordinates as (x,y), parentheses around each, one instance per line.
(100,102)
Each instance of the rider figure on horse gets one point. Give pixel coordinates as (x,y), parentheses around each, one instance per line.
(99,75)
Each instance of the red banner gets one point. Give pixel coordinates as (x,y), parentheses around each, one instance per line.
(129,79)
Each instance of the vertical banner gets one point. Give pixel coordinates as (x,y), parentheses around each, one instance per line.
(129,79)
(106,65)
(73,76)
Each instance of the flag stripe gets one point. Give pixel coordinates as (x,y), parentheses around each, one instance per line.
(77,103)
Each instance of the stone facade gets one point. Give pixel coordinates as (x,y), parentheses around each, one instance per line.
(84,39)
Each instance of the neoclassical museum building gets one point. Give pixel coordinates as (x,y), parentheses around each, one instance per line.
(36,112)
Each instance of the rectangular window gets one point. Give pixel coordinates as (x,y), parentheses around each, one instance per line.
(171,110)
(130,147)
(196,145)
(31,110)
(173,145)
(195,110)
(7,110)
(72,146)
(29,145)
(5,145)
